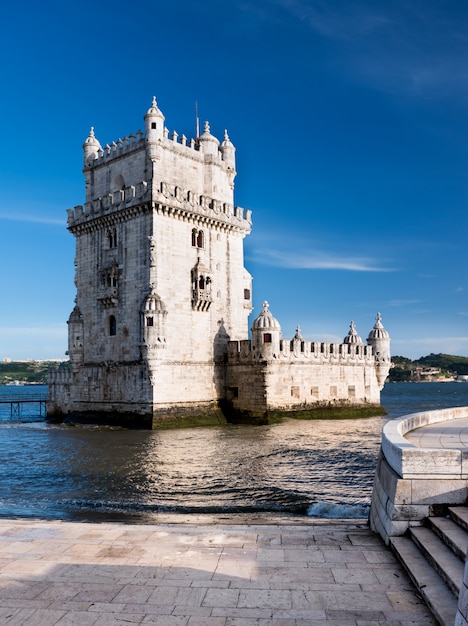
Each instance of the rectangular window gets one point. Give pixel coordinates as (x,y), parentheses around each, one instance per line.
(295,392)
(266,337)
(351,392)
(149,321)
(246,294)
(314,391)
(333,392)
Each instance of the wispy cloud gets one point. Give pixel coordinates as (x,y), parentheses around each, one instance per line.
(316,260)
(37,219)
(412,48)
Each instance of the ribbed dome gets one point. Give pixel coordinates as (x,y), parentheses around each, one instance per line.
(266,321)
(227,143)
(154,111)
(91,140)
(207,136)
(352,336)
(75,315)
(378,332)
(154,303)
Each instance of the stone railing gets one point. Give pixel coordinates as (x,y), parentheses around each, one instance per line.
(410,482)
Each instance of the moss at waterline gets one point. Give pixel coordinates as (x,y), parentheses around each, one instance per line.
(332,412)
(213,417)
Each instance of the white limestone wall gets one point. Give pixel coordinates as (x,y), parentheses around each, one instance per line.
(108,174)
(298,383)
(410,481)
(293,382)
(130,264)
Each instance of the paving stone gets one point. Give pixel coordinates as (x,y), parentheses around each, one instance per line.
(226,575)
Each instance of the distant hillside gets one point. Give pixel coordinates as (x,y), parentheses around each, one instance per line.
(28,372)
(431,367)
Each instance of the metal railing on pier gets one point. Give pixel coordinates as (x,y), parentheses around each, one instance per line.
(17,403)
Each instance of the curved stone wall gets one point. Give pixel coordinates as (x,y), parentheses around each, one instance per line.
(410,482)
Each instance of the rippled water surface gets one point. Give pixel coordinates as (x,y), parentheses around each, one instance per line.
(318,467)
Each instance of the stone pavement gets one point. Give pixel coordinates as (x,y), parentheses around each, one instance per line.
(231,571)
(452,434)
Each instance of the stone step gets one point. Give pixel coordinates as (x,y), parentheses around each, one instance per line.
(459,514)
(447,565)
(455,537)
(436,594)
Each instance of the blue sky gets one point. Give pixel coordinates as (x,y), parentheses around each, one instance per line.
(350,123)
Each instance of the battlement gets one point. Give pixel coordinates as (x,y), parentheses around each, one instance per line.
(302,351)
(192,148)
(166,197)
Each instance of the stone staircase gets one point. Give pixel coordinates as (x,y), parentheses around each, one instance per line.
(434,557)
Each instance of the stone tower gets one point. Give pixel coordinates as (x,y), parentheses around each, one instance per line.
(160,277)
(159,331)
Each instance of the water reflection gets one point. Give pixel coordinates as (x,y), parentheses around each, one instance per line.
(59,471)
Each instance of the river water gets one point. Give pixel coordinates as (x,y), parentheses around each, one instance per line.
(321,468)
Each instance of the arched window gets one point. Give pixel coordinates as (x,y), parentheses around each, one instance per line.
(112,326)
(112,238)
(200,239)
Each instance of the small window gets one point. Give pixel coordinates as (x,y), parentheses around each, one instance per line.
(266,337)
(149,321)
(295,392)
(333,392)
(112,326)
(153,125)
(246,294)
(200,239)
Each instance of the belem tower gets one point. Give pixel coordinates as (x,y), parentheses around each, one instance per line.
(159,331)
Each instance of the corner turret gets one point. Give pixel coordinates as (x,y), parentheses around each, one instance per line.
(379,339)
(228,151)
(91,147)
(209,143)
(266,333)
(154,129)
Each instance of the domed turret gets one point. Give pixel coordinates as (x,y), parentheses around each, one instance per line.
(266,332)
(352,336)
(379,339)
(153,315)
(208,141)
(75,337)
(228,151)
(91,147)
(154,129)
